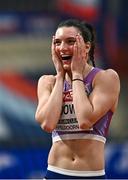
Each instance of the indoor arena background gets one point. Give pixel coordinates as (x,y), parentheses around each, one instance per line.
(26,28)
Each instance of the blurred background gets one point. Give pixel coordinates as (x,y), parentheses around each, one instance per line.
(26,29)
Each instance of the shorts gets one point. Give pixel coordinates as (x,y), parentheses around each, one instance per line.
(59,173)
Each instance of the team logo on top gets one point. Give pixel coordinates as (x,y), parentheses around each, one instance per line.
(67,96)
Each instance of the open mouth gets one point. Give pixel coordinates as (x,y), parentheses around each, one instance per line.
(66,58)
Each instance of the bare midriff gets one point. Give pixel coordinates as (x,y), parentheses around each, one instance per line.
(81,155)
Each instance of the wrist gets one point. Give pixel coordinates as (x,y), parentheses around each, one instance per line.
(77,76)
(59,76)
(77,79)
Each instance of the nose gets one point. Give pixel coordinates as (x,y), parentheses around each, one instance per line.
(63,46)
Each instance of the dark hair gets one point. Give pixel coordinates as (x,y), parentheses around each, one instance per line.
(87,33)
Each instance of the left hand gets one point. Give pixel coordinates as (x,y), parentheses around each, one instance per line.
(80,56)
(56,60)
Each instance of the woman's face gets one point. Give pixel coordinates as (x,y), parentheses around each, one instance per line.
(65,37)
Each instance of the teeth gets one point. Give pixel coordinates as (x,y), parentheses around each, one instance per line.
(66,57)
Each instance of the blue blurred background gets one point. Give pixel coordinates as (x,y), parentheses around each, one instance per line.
(26,28)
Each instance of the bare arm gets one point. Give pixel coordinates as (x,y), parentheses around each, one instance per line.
(48,111)
(50,95)
(104,96)
(106,87)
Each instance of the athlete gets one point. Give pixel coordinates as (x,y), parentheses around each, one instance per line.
(77,104)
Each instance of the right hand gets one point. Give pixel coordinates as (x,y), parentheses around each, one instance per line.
(56,60)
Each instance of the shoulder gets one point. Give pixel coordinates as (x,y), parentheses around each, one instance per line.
(109,75)
(108,78)
(46,80)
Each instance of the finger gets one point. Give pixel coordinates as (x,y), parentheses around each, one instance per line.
(82,47)
(79,46)
(75,48)
(54,54)
(53,45)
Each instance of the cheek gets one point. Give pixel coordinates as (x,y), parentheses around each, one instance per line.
(57,49)
(71,48)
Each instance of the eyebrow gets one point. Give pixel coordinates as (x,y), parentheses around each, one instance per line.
(73,38)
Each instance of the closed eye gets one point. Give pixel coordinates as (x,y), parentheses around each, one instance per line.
(71,41)
(57,42)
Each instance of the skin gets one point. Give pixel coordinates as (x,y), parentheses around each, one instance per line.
(80,154)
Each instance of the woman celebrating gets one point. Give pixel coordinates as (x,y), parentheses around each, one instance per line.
(76,104)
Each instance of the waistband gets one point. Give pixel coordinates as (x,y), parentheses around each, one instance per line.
(76,173)
(58,137)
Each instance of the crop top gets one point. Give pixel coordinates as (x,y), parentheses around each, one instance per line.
(68,128)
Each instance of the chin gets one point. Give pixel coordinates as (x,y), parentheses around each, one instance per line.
(67,67)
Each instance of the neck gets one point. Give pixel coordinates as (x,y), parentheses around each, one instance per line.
(88,68)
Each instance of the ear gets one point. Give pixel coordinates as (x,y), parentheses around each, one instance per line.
(87,46)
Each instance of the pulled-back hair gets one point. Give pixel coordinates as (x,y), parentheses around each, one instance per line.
(87,33)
